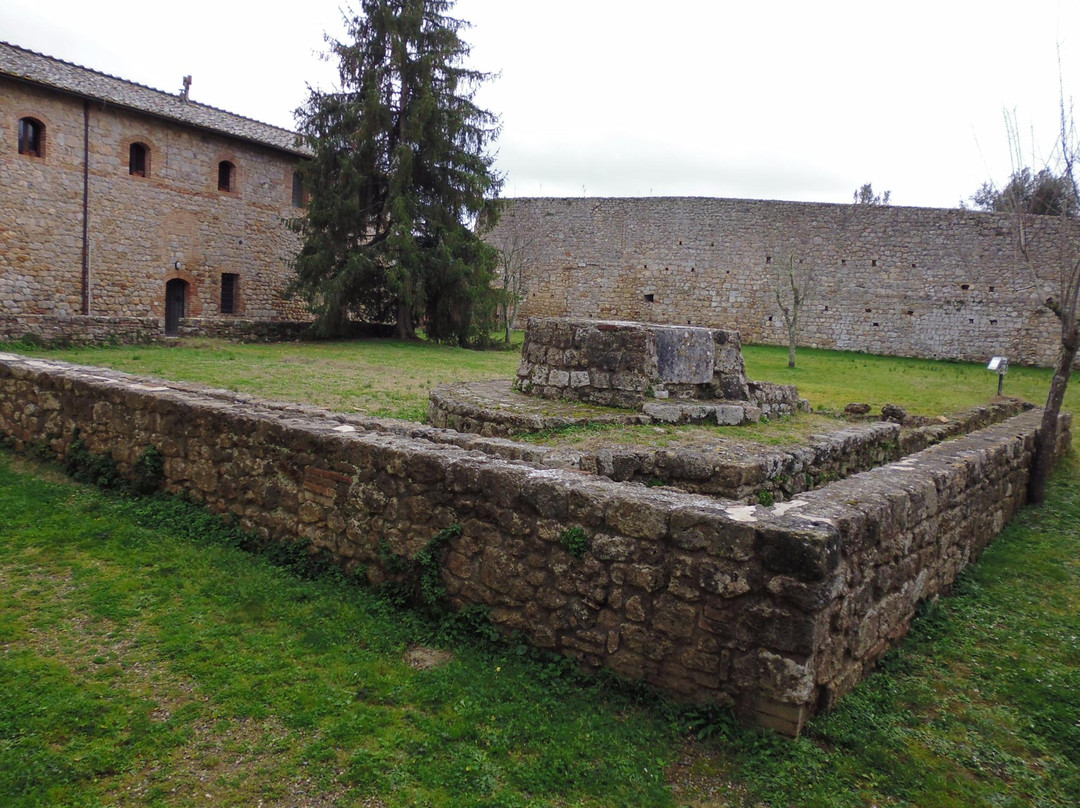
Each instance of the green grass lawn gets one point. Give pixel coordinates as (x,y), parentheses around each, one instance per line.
(392,378)
(379,377)
(145,659)
(833,379)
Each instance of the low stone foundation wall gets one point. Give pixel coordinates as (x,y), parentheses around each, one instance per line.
(744,474)
(731,470)
(90,329)
(96,330)
(243,330)
(776,611)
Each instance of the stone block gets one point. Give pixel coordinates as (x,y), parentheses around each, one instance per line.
(684,355)
(559,378)
(806,553)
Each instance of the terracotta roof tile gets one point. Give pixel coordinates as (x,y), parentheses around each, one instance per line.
(45,70)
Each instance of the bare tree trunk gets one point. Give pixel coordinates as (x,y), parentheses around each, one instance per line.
(793,337)
(403,328)
(1046,440)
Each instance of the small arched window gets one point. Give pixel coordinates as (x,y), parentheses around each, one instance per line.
(225,175)
(31,137)
(139,160)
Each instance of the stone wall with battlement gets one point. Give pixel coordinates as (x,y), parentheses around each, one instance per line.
(943,284)
(775,610)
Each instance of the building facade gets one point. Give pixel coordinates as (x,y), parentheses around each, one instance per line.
(133,213)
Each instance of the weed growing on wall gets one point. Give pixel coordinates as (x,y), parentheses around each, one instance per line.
(418,580)
(148,471)
(87,467)
(574,541)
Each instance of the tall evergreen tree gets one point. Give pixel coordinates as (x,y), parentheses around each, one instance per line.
(400,168)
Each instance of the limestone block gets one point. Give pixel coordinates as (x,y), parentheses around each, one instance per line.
(579,378)
(558,378)
(730,415)
(684,355)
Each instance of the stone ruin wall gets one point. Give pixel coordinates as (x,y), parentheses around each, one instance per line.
(777,611)
(632,365)
(934,283)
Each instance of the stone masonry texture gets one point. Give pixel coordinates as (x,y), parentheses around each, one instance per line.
(943,284)
(775,610)
(141,231)
(624,364)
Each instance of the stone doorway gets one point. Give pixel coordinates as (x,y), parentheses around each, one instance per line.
(175,299)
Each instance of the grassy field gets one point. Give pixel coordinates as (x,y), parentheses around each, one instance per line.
(378,377)
(146,658)
(392,378)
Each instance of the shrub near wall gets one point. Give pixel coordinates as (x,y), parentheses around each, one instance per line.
(776,611)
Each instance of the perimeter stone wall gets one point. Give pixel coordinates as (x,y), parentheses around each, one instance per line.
(942,284)
(777,611)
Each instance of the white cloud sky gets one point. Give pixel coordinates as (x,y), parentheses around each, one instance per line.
(768,100)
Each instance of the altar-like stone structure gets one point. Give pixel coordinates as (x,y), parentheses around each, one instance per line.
(676,374)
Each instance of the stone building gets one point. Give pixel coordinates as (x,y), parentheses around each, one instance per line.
(130,213)
(936,283)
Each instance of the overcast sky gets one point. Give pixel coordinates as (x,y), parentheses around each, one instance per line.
(764,100)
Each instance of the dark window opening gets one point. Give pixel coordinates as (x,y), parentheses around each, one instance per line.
(31,137)
(225,177)
(137,161)
(230,281)
(649,298)
(768,259)
(993,322)
(873,262)
(299,194)
(991,288)
(965,286)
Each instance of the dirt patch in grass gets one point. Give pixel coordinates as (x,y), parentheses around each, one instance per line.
(700,778)
(423,657)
